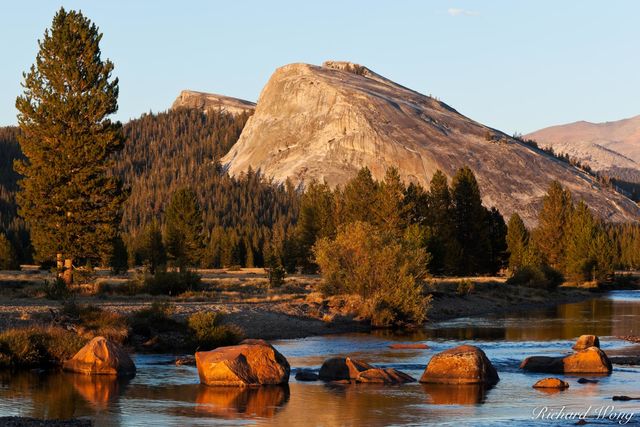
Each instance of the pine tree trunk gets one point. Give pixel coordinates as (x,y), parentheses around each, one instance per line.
(67,275)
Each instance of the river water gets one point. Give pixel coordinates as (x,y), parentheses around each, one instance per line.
(163,394)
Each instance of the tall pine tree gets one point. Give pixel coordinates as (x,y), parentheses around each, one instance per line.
(183,229)
(552,224)
(72,205)
(517,242)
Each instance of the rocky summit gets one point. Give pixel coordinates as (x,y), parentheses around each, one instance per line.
(211,101)
(326,122)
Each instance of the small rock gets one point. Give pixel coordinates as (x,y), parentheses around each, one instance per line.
(624,398)
(586,341)
(587,381)
(625,360)
(186,361)
(306,375)
(551,383)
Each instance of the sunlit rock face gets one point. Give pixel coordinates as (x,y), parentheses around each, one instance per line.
(101,357)
(465,364)
(211,101)
(326,122)
(253,362)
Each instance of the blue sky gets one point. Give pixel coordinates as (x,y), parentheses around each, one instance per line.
(513,65)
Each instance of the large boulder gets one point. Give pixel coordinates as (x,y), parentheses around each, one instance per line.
(101,357)
(465,364)
(252,362)
(589,361)
(586,341)
(342,368)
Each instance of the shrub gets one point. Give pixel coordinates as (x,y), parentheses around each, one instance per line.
(275,272)
(37,346)
(465,287)
(55,289)
(156,318)
(386,272)
(209,333)
(543,277)
(172,282)
(96,321)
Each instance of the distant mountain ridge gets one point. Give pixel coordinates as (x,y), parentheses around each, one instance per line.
(611,148)
(210,101)
(326,122)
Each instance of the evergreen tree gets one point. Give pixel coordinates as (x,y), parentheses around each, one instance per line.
(517,242)
(470,224)
(358,199)
(390,210)
(579,234)
(151,251)
(8,259)
(119,261)
(552,223)
(498,242)
(183,229)
(69,200)
(315,221)
(440,240)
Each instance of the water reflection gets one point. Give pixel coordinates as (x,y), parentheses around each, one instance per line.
(60,395)
(98,390)
(603,316)
(240,402)
(455,394)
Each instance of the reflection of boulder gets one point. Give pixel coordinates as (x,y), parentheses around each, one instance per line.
(238,402)
(99,390)
(101,357)
(589,361)
(586,341)
(455,394)
(253,362)
(465,364)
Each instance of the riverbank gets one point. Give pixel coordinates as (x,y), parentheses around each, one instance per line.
(296,310)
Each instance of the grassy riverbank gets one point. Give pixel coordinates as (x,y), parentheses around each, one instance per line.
(244,303)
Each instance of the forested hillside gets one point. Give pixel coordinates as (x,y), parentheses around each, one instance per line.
(172,150)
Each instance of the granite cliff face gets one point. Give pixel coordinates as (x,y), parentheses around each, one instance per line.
(612,147)
(210,101)
(327,122)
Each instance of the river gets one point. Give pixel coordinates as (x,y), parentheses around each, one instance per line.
(164,394)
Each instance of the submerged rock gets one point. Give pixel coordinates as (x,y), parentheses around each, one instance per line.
(101,357)
(589,361)
(586,341)
(410,346)
(587,381)
(465,364)
(252,362)
(551,383)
